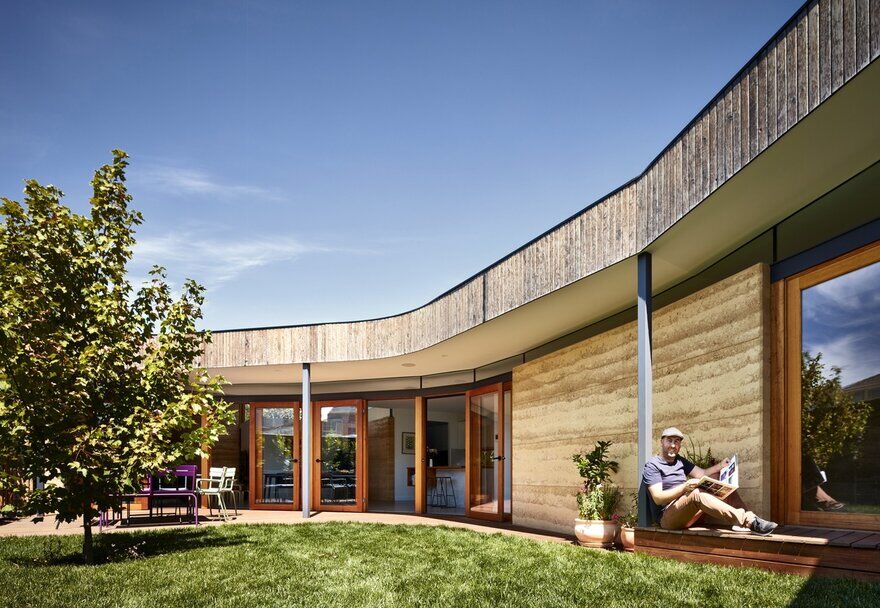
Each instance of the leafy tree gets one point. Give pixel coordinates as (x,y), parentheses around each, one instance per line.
(832,422)
(338,452)
(97,388)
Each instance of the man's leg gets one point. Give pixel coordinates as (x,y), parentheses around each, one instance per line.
(679,513)
(719,510)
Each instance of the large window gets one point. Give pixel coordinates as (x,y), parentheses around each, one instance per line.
(833,392)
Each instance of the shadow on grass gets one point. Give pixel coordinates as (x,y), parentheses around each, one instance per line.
(114,548)
(836,591)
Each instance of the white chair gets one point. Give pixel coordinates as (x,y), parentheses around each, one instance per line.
(227,486)
(212,486)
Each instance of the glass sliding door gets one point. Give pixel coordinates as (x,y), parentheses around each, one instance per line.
(391,455)
(274,456)
(445,455)
(339,471)
(833,393)
(485,453)
(508,442)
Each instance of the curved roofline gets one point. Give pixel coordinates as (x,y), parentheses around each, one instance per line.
(746,67)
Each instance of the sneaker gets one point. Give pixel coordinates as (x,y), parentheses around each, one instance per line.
(740,529)
(762,526)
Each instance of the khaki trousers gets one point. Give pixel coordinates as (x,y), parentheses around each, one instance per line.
(679,512)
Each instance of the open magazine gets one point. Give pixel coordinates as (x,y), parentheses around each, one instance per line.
(727,482)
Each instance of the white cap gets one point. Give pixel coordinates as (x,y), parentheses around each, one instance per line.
(672,432)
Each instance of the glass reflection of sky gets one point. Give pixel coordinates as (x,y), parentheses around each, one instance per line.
(277,421)
(841,319)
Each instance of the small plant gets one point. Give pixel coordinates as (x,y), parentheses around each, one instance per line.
(598,503)
(598,498)
(695,454)
(630,518)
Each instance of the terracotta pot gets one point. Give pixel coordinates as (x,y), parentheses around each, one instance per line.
(597,533)
(627,539)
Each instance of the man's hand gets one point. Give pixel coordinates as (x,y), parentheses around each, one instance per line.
(690,485)
(723,463)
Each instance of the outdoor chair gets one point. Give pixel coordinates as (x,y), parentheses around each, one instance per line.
(217,486)
(183,481)
(213,480)
(227,486)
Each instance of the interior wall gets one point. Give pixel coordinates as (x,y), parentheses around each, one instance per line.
(406,422)
(711,379)
(381,459)
(387,462)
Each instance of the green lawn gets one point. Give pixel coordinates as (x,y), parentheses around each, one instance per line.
(344,564)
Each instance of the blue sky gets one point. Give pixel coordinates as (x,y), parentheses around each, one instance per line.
(332,161)
(841,320)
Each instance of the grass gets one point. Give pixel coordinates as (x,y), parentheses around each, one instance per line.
(347,564)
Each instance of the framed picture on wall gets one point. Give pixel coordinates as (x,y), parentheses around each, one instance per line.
(408,443)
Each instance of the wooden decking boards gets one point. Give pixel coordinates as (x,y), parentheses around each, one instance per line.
(795,549)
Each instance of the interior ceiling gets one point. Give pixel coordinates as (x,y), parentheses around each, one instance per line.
(834,142)
(454,404)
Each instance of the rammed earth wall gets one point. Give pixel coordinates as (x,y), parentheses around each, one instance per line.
(711,379)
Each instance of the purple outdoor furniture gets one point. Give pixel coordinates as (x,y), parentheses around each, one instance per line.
(184,485)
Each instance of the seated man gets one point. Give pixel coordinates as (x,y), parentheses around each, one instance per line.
(674,498)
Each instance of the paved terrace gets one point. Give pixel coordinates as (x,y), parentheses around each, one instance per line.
(25,527)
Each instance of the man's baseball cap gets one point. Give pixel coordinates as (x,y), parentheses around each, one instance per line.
(672,432)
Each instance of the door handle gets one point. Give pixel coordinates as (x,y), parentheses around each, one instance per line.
(317,460)
(499,458)
(295,460)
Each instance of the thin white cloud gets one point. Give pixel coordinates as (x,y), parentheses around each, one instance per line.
(841,318)
(213,261)
(846,301)
(192,182)
(856,355)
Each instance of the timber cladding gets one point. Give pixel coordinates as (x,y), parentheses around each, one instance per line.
(711,379)
(824,45)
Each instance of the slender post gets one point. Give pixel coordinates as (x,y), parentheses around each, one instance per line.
(306,434)
(645,408)
(421,455)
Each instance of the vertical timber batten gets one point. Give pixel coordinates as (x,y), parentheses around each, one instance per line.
(645,407)
(421,429)
(306,434)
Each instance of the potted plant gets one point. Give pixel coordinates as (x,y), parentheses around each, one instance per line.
(627,522)
(595,526)
(696,455)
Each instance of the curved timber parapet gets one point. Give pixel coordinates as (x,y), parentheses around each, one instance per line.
(823,46)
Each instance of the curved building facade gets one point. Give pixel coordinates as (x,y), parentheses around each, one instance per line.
(719,291)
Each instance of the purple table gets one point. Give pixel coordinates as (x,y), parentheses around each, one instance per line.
(187,473)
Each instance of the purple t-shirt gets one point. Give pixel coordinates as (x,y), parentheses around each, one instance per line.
(657,470)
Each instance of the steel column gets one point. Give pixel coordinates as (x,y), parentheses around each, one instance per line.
(645,407)
(306,434)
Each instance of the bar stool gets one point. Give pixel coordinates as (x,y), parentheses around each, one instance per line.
(443,491)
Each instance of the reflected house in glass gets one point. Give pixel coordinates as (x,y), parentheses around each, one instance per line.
(687,297)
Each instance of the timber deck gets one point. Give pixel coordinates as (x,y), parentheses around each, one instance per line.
(795,549)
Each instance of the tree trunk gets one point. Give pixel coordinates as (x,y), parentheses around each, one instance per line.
(88,545)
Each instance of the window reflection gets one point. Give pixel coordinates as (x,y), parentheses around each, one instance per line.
(274,445)
(338,455)
(840,392)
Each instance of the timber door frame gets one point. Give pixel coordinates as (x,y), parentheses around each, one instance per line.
(360,452)
(471,480)
(297,456)
(788,432)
